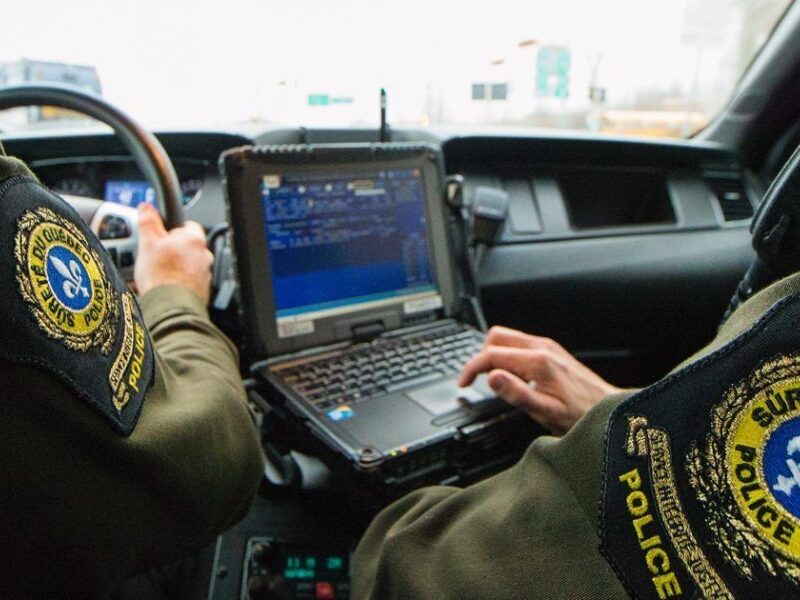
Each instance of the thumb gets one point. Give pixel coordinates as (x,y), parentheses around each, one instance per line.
(195,229)
(511,388)
(151,227)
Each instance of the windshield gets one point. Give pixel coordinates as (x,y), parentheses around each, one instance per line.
(655,68)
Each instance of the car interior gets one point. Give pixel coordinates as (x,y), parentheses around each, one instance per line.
(625,249)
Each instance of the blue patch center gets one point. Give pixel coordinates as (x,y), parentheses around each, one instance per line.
(782,465)
(68,278)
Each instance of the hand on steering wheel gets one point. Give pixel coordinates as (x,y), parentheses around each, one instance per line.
(177,257)
(146,150)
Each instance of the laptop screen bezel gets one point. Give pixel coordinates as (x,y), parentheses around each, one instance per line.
(243,170)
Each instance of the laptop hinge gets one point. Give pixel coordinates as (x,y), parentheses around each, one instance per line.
(365,332)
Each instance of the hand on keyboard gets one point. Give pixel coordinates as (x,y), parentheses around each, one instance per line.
(539,376)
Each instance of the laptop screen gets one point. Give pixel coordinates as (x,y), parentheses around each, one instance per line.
(344,242)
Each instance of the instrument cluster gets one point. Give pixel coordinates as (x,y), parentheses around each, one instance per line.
(116,179)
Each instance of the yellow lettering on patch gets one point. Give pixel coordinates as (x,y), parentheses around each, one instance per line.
(657,561)
(138,358)
(754,495)
(632,478)
(654,554)
(76,322)
(63,282)
(667,586)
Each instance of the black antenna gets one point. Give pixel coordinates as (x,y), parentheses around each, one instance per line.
(383,133)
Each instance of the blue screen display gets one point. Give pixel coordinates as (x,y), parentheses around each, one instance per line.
(340,240)
(129,193)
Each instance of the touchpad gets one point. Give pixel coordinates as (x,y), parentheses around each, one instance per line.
(447,396)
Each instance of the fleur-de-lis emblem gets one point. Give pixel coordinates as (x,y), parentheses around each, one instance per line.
(787,484)
(73,278)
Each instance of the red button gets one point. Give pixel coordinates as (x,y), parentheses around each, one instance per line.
(325,591)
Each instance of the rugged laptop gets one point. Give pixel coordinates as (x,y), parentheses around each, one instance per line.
(349,296)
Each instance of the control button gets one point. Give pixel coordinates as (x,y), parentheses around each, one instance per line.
(261,553)
(325,591)
(113,227)
(126,259)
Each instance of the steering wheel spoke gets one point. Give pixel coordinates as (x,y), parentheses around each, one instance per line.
(117,227)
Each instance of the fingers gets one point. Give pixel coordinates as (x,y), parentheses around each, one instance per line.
(151,227)
(208,257)
(527,364)
(196,235)
(511,388)
(195,229)
(542,408)
(503,336)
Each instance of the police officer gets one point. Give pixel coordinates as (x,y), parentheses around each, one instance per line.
(125,438)
(641,492)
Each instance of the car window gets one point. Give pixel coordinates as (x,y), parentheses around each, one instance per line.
(656,68)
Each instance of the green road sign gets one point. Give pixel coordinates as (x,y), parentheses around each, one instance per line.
(552,72)
(319,100)
(327,100)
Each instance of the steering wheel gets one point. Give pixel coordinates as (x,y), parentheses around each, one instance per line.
(776,234)
(115,225)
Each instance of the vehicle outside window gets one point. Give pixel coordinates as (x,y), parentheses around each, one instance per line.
(659,68)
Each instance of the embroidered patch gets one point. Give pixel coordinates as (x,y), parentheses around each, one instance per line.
(701,491)
(748,475)
(63,282)
(125,375)
(67,308)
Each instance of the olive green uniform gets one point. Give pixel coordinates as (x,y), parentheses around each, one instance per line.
(82,507)
(529,532)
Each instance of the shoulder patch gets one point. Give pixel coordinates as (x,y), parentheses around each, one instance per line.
(701,491)
(66,308)
(63,281)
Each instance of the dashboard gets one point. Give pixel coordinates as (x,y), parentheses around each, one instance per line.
(95,164)
(625,251)
(116,179)
(607,240)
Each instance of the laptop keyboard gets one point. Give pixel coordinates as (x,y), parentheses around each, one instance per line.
(382,366)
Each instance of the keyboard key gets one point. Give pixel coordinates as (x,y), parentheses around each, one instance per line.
(401,384)
(385,365)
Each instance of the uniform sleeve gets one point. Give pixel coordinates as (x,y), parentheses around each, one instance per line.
(527,532)
(530,531)
(11,167)
(95,506)
(198,376)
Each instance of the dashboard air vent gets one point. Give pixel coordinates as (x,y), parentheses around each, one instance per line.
(732,198)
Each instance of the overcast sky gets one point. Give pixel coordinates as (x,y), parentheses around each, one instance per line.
(180,62)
